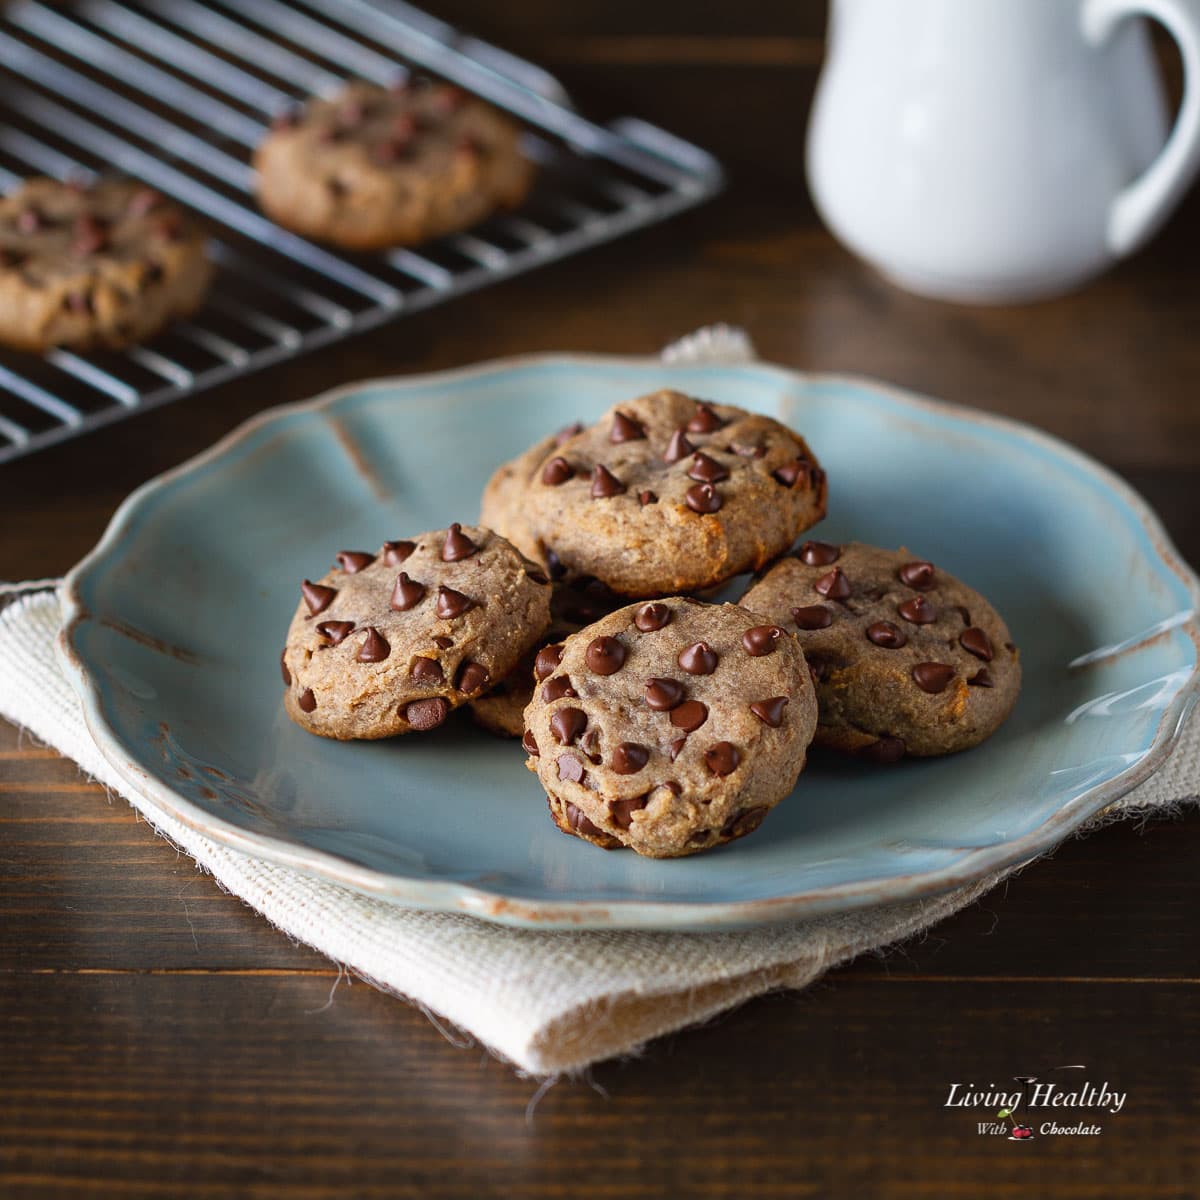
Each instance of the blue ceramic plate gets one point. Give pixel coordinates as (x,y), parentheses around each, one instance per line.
(175,621)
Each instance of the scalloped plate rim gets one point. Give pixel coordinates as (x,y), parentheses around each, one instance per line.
(450,896)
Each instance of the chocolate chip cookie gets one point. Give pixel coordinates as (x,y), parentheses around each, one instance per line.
(389,642)
(907,659)
(503,506)
(574,605)
(670,726)
(669,494)
(99,265)
(374,167)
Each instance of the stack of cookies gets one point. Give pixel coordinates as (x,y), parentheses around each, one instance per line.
(574,618)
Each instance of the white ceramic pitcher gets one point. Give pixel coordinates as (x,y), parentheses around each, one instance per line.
(999,150)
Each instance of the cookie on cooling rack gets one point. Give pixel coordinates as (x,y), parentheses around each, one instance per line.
(389,642)
(908,660)
(670,727)
(373,167)
(95,266)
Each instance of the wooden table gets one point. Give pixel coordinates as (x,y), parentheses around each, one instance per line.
(157,1038)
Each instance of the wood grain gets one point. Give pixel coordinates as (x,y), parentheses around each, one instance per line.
(159,1039)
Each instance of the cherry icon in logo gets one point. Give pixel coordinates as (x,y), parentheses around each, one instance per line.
(1020,1133)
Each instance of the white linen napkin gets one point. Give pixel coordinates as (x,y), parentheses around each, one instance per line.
(547,1001)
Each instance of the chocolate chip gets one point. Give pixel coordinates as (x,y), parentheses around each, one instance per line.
(151,275)
(703,498)
(335,632)
(887,635)
(427,714)
(448,99)
(761,640)
(569,767)
(689,716)
(472,677)
(962,612)
(605,655)
(647,497)
(706,470)
(145,199)
(375,648)
(886,750)
(605,483)
(353,561)
(678,447)
(932,677)
(621,811)
(698,659)
(834,586)
(407,593)
(791,473)
(394,553)
(918,611)
(88,236)
(704,421)
(546,663)
(625,429)
(744,823)
(385,153)
(457,545)
(981,678)
(580,823)
(306,700)
(287,675)
(629,758)
(812,616)
(169,228)
(818,668)
(451,604)
(675,748)
(820,554)
(557,688)
(567,724)
(557,471)
(317,596)
(722,758)
(770,712)
(663,694)
(10,257)
(443,643)
(567,433)
(529,743)
(917,575)
(976,642)
(652,617)
(427,670)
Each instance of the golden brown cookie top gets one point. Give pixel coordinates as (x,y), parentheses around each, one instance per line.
(672,725)
(391,641)
(907,658)
(667,493)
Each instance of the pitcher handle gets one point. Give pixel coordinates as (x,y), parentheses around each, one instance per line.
(1141,207)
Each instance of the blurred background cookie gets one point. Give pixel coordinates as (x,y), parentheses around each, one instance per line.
(95,265)
(374,167)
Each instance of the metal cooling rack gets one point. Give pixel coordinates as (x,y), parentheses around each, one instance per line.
(178,93)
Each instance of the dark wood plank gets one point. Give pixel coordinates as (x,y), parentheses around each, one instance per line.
(171,1087)
(85,885)
(159,1039)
